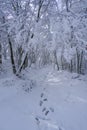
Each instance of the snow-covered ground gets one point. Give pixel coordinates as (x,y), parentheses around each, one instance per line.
(44,99)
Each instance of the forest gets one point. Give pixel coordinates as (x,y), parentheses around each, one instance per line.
(44,32)
(43,64)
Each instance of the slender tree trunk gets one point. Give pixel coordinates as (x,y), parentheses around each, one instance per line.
(25,62)
(62,64)
(0,54)
(56,61)
(67,5)
(71,66)
(81,60)
(19,55)
(22,64)
(12,56)
(78,61)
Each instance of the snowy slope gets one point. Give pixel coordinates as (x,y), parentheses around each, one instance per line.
(57,101)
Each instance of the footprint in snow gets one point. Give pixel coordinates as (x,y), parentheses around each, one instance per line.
(45,110)
(47,123)
(42,94)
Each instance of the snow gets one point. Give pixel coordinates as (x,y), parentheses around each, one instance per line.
(43,99)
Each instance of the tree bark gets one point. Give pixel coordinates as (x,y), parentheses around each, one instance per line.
(22,66)
(0,54)
(81,60)
(12,56)
(56,60)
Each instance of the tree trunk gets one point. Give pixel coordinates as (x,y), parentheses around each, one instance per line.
(19,55)
(78,61)
(56,61)
(12,56)
(25,62)
(0,54)
(22,66)
(81,60)
(71,66)
(67,5)
(62,64)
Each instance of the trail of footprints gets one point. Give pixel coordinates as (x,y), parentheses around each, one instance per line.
(44,108)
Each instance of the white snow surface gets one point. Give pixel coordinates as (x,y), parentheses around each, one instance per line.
(43,99)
